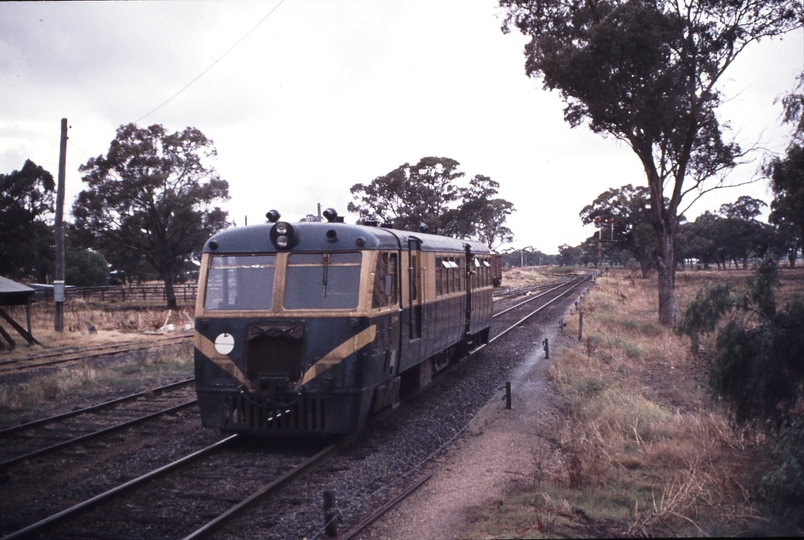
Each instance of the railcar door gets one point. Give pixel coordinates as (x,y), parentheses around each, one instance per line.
(416,288)
(469,259)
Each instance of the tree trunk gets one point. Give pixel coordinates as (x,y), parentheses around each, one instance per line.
(169,292)
(644,266)
(666,261)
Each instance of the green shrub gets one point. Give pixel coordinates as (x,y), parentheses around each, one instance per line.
(85,268)
(787,482)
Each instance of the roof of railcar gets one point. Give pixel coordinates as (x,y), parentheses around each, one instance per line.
(313,237)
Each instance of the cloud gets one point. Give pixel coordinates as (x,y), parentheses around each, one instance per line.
(322,95)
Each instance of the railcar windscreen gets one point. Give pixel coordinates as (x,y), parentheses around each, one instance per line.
(240,282)
(322,281)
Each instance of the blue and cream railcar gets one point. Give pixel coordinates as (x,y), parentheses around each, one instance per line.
(307,328)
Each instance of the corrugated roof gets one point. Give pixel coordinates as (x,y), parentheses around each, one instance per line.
(8,286)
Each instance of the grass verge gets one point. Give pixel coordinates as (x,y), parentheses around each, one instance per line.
(90,382)
(644,450)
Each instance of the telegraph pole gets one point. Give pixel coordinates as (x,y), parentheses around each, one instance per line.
(58,281)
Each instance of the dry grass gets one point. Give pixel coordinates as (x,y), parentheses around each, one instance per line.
(85,383)
(644,449)
(111,322)
(88,383)
(525,276)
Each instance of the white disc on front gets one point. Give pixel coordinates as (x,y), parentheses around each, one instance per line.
(224,343)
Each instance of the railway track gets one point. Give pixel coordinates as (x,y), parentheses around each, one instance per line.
(546,298)
(58,432)
(215,484)
(74,354)
(526,290)
(225,478)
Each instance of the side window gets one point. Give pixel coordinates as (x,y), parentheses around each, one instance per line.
(385,281)
(451,276)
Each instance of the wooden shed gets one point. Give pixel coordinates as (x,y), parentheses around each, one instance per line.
(15,294)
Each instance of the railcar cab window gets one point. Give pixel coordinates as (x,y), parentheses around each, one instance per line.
(240,282)
(385,281)
(322,281)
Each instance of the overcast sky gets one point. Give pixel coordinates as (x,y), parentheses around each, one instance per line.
(305,98)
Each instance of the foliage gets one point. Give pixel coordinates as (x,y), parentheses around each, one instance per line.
(26,204)
(787,481)
(704,312)
(696,240)
(787,208)
(731,236)
(622,214)
(741,234)
(481,215)
(150,199)
(85,268)
(758,369)
(794,111)
(569,255)
(745,208)
(428,193)
(527,256)
(646,73)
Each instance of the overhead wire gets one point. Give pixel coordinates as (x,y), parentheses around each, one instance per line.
(171,98)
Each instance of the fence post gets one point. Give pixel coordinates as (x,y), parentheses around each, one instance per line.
(329,515)
(580,326)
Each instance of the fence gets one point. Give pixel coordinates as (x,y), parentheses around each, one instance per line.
(185,293)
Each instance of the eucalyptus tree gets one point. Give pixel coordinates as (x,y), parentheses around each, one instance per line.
(433,193)
(26,208)
(153,195)
(622,214)
(787,208)
(745,235)
(647,73)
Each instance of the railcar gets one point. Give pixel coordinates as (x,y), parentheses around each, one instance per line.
(308,328)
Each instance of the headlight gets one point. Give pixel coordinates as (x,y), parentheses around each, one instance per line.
(284,235)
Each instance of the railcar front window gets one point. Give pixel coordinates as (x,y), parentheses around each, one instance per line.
(322,281)
(240,282)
